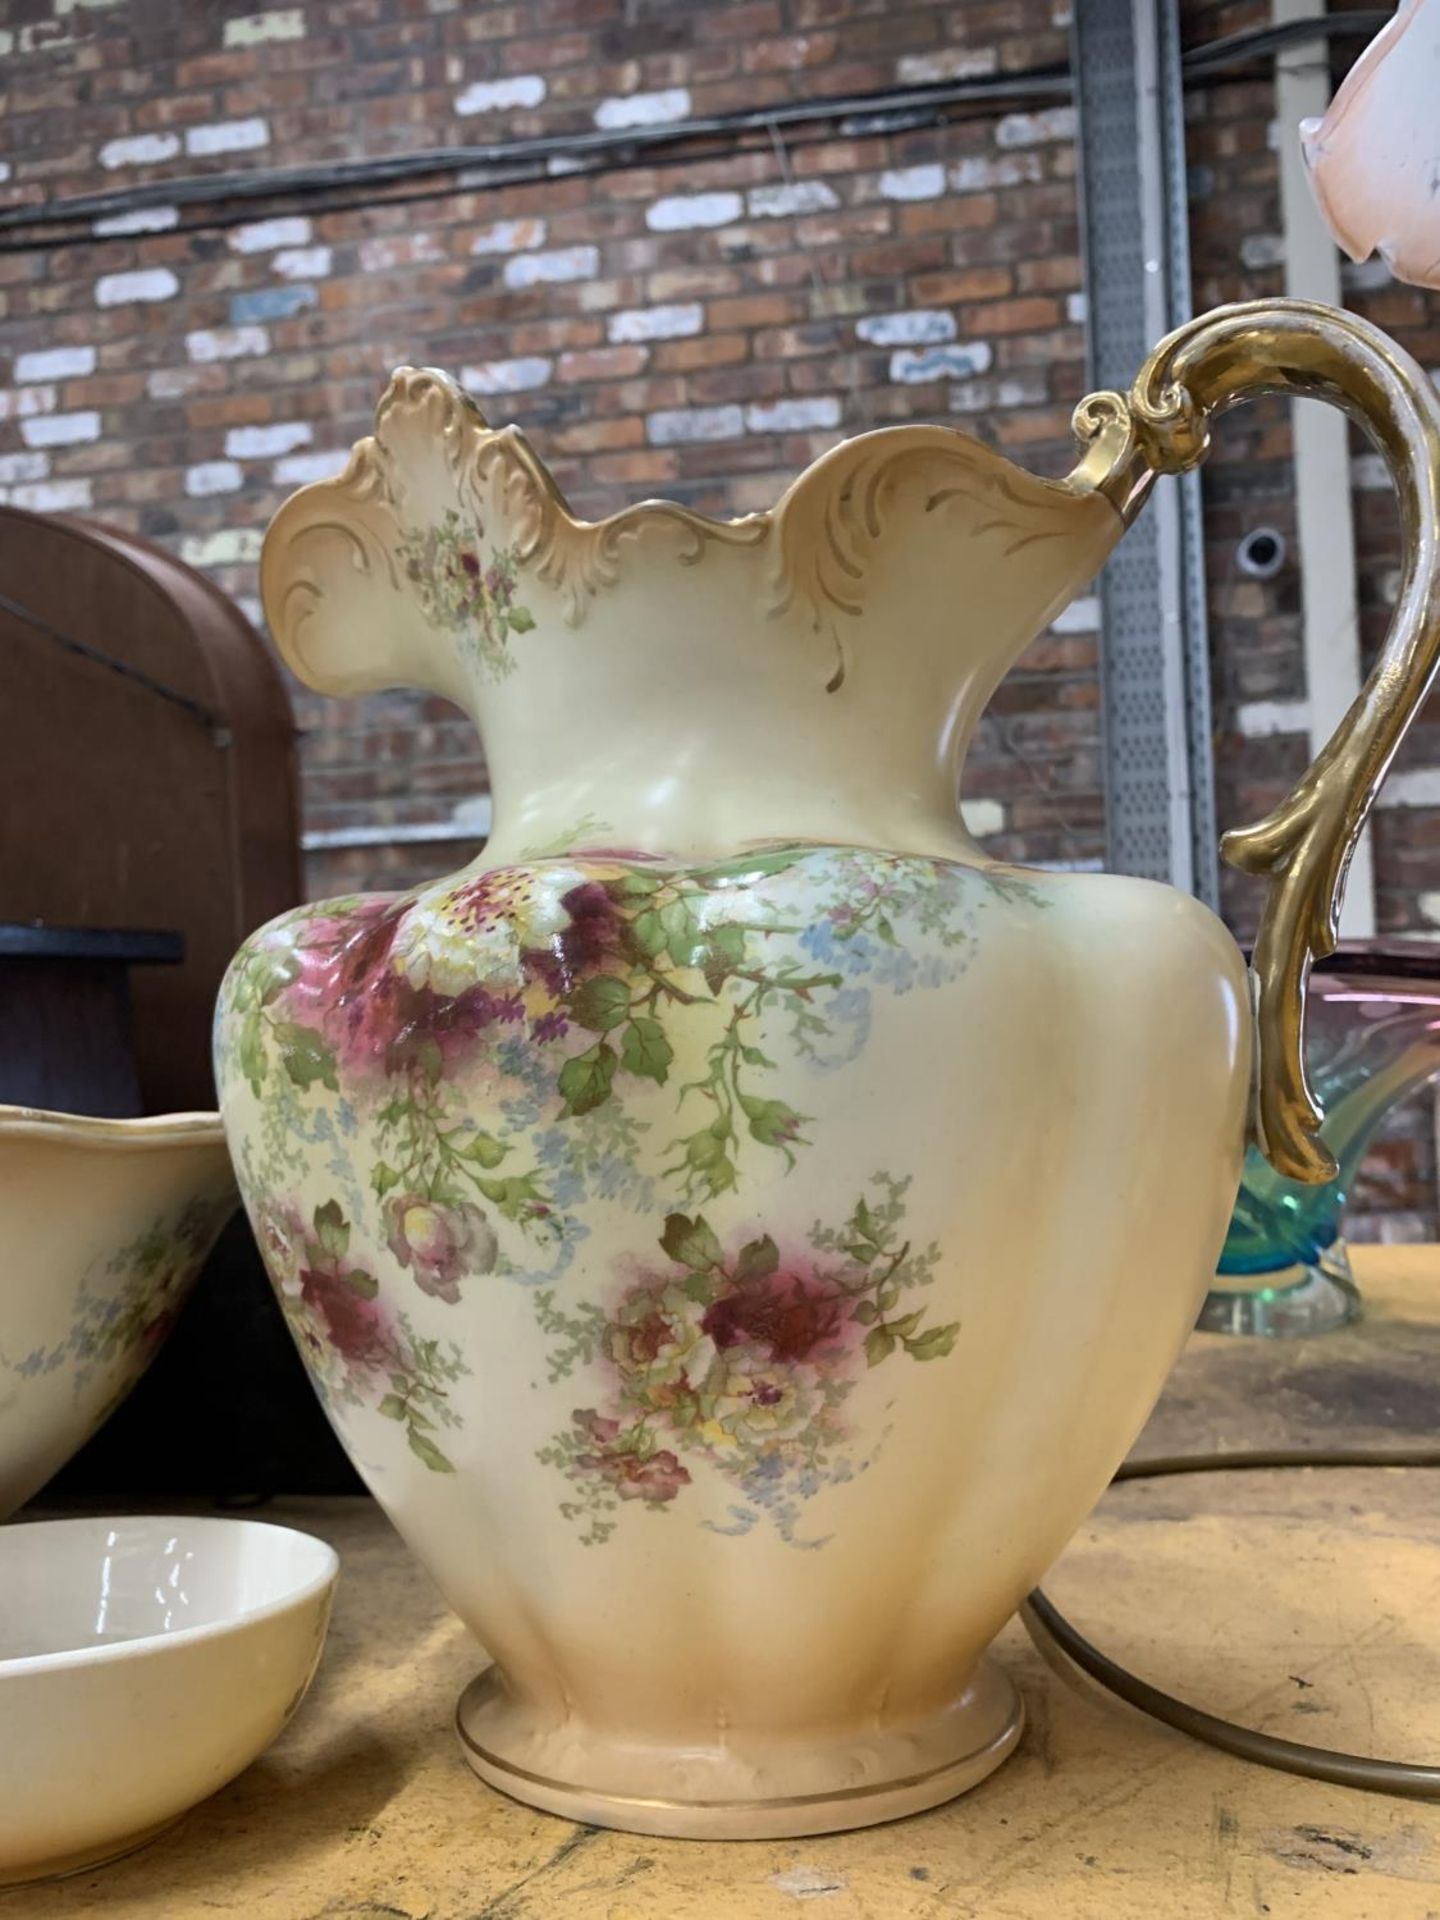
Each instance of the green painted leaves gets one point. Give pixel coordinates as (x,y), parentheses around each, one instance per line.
(332,1229)
(757,1259)
(664,938)
(585,1079)
(260,975)
(646,1051)
(306,1056)
(935,1344)
(690,1242)
(601,1003)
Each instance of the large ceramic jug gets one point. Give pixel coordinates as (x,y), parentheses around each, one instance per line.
(735,1226)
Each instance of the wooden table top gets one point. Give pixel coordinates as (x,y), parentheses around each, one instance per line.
(1302,1603)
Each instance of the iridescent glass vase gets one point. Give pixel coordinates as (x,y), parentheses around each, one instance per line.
(1373,1038)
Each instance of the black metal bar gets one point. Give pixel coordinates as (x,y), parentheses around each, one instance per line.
(616,149)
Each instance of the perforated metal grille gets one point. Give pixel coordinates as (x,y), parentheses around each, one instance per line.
(1154,660)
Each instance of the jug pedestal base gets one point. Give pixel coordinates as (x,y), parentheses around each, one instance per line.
(737,1794)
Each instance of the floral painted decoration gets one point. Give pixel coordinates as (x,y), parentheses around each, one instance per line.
(359,1352)
(467,593)
(484,1063)
(744,1360)
(126,1304)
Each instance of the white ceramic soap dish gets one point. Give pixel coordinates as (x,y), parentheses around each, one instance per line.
(143,1664)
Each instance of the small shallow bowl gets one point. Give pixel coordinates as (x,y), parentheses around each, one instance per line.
(143,1663)
(104,1225)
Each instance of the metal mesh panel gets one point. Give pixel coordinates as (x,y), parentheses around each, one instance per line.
(1159,801)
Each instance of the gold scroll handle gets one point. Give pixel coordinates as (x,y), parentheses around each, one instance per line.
(1304,847)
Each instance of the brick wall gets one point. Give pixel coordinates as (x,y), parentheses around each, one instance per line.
(700,329)
(1258,668)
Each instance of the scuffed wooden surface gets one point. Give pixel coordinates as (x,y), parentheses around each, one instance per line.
(1303,1603)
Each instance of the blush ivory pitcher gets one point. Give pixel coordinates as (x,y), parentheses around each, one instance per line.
(735,1226)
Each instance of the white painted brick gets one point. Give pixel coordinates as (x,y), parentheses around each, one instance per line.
(250,606)
(300,469)
(1077,309)
(917,327)
(1034,129)
(913,183)
(5,170)
(138,220)
(811,415)
(955,63)
(566,263)
(266,443)
(978,172)
(508,376)
(911,366)
(674,425)
(302,263)
(232,547)
(509,236)
(267,236)
(23,466)
(986,395)
(55,363)
(172,383)
(254,29)
(1260,250)
(126,289)
(1417,787)
(53,496)
(1369,473)
(1259,719)
(60,429)
(213,476)
(678,322)
(226,343)
(20,403)
(643,109)
(227,136)
(681,212)
(982,817)
(789,198)
(1081,616)
(386,251)
(139,150)
(492,96)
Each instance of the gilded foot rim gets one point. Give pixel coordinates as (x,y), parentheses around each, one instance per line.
(982,1731)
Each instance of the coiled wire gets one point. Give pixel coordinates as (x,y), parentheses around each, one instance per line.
(1411,1779)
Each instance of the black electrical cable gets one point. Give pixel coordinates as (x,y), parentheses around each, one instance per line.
(1410,1779)
(502,163)
(1255,43)
(539,149)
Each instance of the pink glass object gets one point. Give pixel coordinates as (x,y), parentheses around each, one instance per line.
(1374,156)
(1374,1037)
